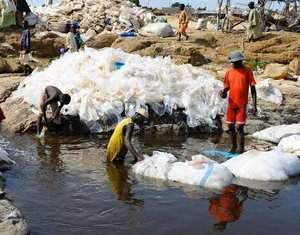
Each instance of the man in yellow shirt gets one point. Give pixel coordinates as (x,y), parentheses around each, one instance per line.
(120,141)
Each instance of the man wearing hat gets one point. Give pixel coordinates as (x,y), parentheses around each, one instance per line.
(237,81)
(120,141)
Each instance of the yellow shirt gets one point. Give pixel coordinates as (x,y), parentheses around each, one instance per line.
(116,142)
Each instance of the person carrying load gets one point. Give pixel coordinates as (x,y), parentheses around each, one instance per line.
(120,141)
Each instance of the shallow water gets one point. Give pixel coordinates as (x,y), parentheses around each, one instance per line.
(63,185)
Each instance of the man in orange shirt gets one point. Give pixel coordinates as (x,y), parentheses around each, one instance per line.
(237,81)
(183,22)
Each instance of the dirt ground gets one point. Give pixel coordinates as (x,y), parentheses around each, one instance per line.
(273,47)
(279,47)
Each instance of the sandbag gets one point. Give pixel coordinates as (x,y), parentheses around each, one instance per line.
(267,91)
(201,171)
(276,133)
(273,165)
(290,144)
(160,29)
(201,24)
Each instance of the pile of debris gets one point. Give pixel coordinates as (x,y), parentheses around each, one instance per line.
(94,16)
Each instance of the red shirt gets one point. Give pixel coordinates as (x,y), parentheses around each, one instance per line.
(238,82)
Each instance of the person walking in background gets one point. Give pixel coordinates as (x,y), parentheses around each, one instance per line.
(7,13)
(120,141)
(77,36)
(237,81)
(183,22)
(51,96)
(254,30)
(25,49)
(70,40)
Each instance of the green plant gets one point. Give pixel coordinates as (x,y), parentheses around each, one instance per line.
(255,64)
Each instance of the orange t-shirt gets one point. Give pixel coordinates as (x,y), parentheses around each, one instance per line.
(238,82)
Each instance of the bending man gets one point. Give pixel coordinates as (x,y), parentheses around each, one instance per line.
(120,141)
(51,96)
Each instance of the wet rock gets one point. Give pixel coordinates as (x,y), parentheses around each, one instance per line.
(11,220)
(276,71)
(5,162)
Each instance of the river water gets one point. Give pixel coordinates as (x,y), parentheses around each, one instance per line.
(63,185)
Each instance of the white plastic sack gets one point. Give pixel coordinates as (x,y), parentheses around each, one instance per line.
(201,171)
(276,133)
(267,91)
(201,24)
(160,29)
(31,18)
(274,165)
(290,144)
(9,6)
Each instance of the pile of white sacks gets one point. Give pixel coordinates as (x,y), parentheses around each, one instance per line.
(286,136)
(273,166)
(91,14)
(249,168)
(99,90)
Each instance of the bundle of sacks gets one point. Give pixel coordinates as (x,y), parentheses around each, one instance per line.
(286,136)
(273,165)
(199,171)
(253,165)
(94,16)
(100,91)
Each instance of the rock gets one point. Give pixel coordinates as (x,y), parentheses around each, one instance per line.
(295,66)
(11,220)
(7,49)
(102,40)
(21,119)
(9,83)
(276,71)
(47,44)
(4,66)
(5,162)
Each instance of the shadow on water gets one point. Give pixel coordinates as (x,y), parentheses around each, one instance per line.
(121,183)
(63,185)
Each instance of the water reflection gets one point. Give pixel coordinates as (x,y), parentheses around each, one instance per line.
(121,184)
(228,206)
(49,154)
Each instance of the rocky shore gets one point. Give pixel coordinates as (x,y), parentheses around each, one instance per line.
(11,219)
